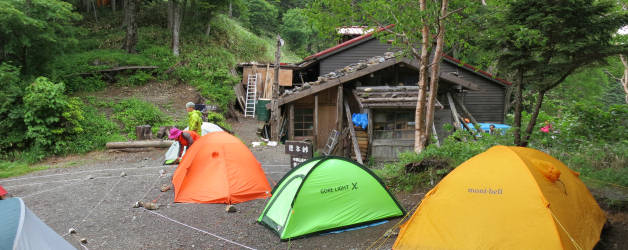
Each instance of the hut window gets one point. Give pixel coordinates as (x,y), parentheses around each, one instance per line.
(303,122)
(393,125)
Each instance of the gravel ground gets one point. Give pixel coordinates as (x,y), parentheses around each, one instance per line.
(88,193)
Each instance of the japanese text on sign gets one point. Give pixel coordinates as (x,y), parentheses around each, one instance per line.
(299,148)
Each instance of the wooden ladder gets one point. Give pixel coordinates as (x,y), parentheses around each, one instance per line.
(251,95)
(331,142)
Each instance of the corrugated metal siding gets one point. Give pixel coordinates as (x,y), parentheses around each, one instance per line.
(486,104)
(366,50)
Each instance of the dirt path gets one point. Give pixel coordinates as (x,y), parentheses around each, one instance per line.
(88,193)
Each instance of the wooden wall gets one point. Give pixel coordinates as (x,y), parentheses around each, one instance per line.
(326,113)
(486,104)
(285,78)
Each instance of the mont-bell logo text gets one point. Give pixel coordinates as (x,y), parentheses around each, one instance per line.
(347,187)
(496,191)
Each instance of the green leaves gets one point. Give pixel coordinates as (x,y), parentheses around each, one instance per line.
(30,37)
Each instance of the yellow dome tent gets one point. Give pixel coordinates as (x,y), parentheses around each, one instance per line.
(506,198)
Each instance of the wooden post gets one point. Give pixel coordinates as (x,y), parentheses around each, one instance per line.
(465,111)
(354,140)
(291,121)
(435,135)
(274,115)
(507,101)
(143,132)
(315,121)
(452,106)
(339,109)
(369,130)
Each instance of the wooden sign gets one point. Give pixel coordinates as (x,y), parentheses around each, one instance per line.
(299,152)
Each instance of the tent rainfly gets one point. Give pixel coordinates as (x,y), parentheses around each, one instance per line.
(219,168)
(325,194)
(171,154)
(506,198)
(20,228)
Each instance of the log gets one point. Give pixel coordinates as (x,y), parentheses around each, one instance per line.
(356,148)
(392,99)
(452,106)
(117,69)
(139,144)
(387,89)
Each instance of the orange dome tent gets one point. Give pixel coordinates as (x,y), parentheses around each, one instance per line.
(506,198)
(219,168)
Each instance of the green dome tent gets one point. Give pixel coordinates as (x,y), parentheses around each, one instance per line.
(325,194)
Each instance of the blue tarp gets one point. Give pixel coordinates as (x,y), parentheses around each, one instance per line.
(486,127)
(360,120)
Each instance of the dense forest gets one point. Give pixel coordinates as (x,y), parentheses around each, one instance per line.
(567,67)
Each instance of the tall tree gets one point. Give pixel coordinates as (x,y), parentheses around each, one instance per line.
(176,25)
(130,14)
(419,30)
(30,35)
(546,41)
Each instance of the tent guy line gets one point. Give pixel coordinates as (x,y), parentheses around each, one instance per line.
(77,179)
(113,169)
(86,171)
(199,230)
(94,207)
(51,189)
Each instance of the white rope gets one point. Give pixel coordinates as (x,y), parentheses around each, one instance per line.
(200,230)
(150,187)
(77,179)
(86,171)
(51,189)
(94,208)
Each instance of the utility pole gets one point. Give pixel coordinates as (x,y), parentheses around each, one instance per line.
(274,118)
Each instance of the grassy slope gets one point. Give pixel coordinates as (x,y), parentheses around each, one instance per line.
(205,63)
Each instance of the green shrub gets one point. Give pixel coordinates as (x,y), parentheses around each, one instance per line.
(68,68)
(11,109)
(97,131)
(50,116)
(457,148)
(135,112)
(218,119)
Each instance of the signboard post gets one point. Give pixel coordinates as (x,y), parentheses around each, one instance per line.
(299,152)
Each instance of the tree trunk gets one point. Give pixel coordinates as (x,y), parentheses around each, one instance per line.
(130,13)
(230,9)
(176,26)
(94,8)
(184,10)
(420,135)
(518,101)
(113,6)
(624,78)
(209,28)
(438,55)
(535,115)
(274,125)
(170,14)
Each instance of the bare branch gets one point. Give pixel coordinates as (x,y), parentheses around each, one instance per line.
(452,12)
(612,76)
